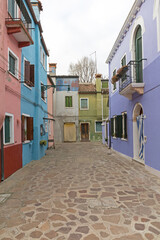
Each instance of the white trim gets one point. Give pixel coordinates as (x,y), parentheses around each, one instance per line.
(95,125)
(123,130)
(11,129)
(156,15)
(25,115)
(16,63)
(87,104)
(112,85)
(124,55)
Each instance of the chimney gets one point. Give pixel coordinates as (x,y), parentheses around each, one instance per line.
(37,7)
(52,69)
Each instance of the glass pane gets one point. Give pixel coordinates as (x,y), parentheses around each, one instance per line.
(12,64)
(84,103)
(7,129)
(98,126)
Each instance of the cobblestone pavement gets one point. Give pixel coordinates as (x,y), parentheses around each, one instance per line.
(80,191)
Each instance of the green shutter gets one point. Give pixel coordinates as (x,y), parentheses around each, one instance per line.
(112,130)
(119,126)
(125,126)
(7,129)
(68,101)
(138,54)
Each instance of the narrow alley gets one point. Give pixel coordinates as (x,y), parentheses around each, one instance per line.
(80,191)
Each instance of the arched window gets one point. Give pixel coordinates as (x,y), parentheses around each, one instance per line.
(138,54)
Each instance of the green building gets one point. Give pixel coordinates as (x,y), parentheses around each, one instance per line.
(93,108)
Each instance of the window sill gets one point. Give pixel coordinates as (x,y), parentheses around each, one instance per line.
(6,144)
(84,109)
(69,107)
(27,86)
(124,139)
(27,141)
(43,100)
(13,75)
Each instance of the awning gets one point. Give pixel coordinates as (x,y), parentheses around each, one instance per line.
(52,119)
(24,10)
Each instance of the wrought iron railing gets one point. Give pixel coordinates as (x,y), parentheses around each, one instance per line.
(134,74)
(14,7)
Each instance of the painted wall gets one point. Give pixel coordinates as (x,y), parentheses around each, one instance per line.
(31,103)
(50,113)
(150,98)
(10,95)
(62,113)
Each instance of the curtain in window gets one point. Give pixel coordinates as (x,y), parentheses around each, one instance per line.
(98,126)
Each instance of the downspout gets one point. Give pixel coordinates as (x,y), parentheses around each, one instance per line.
(2,156)
(109,110)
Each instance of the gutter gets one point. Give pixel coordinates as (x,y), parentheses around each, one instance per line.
(125,28)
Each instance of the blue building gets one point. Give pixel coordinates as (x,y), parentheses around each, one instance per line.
(33,93)
(134,86)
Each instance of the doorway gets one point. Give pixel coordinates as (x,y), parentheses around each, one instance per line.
(1,156)
(138,134)
(69,132)
(84,132)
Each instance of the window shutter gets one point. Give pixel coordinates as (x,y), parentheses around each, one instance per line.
(125,126)
(119,126)
(112,127)
(27,73)
(23,133)
(30,128)
(32,75)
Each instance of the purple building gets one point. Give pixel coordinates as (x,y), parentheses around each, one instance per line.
(134,74)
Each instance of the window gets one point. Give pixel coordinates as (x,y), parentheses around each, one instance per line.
(84,105)
(98,126)
(124,125)
(49,127)
(119,126)
(28,73)
(13,64)
(104,84)
(27,128)
(43,95)
(9,129)
(12,8)
(114,85)
(123,63)
(42,54)
(68,101)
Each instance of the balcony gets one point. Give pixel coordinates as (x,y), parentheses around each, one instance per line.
(131,80)
(20,28)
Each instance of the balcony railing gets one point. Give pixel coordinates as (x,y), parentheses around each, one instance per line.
(134,74)
(19,23)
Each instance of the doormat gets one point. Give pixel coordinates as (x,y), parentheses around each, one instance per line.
(4,197)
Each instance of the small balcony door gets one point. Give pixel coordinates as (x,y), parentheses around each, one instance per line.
(138,55)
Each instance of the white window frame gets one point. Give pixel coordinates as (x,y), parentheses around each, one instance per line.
(123,132)
(44,100)
(95,126)
(10,52)
(114,126)
(124,55)
(114,90)
(16,9)
(87,104)
(11,129)
(26,115)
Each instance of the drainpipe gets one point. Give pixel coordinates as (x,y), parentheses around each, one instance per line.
(109,113)
(2,156)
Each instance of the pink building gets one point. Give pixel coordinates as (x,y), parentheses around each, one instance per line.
(50,119)
(14,35)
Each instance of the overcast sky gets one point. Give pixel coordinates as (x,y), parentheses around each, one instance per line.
(76,28)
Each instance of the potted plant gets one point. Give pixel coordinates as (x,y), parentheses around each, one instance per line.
(114,79)
(121,71)
(43,142)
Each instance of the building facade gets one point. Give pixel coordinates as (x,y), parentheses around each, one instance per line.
(93,109)
(15,21)
(34,110)
(134,86)
(65,106)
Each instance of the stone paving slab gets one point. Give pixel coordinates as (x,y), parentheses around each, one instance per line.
(80,191)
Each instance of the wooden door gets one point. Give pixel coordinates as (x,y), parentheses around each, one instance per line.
(69,132)
(84,132)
